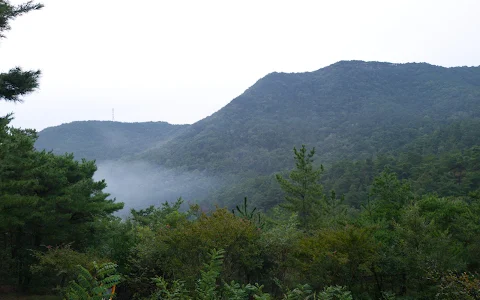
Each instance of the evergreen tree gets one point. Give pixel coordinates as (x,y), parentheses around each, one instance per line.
(16,82)
(303,192)
(390,195)
(45,199)
(16,153)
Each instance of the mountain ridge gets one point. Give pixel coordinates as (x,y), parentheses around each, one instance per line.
(312,90)
(350,110)
(323,93)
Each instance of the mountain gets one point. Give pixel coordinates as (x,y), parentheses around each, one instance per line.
(104,140)
(349,111)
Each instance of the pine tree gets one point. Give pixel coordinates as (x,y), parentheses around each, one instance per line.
(303,191)
(16,82)
(16,153)
(44,198)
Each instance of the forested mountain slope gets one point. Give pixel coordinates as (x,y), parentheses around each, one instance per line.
(445,162)
(349,110)
(103,140)
(353,112)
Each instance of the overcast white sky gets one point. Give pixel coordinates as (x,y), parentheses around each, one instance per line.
(180,61)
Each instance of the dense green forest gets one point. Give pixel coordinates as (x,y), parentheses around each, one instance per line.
(349,111)
(380,198)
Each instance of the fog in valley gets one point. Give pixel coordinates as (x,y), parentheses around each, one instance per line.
(140,184)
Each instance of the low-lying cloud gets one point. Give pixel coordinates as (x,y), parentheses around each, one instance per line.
(139,184)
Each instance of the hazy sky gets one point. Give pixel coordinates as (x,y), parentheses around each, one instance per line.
(180,61)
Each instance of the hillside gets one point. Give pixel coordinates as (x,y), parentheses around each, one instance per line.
(445,162)
(103,140)
(349,110)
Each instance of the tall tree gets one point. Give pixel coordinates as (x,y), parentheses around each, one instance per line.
(44,199)
(16,150)
(390,195)
(303,192)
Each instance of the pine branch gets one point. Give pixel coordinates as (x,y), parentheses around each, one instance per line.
(9,12)
(17,83)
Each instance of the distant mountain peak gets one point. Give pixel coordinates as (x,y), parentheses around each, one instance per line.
(106,140)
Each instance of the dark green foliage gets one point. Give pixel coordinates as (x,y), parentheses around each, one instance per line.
(303,192)
(94,286)
(335,212)
(465,286)
(370,254)
(16,82)
(205,288)
(351,109)
(301,291)
(335,293)
(44,200)
(361,114)
(262,191)
(389,196)
(156,217)
(58,265)
(236,291)
(244,213)
(9,12)
(401,142)
(449,173)
(252,216)
(165,291)
(179,251)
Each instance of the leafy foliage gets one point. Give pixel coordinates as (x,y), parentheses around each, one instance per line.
(335,292)
(205,288)
(58,265)
(459,286)
(94,286)
(174,291)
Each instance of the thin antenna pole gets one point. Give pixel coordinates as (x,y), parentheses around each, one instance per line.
(113,114)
